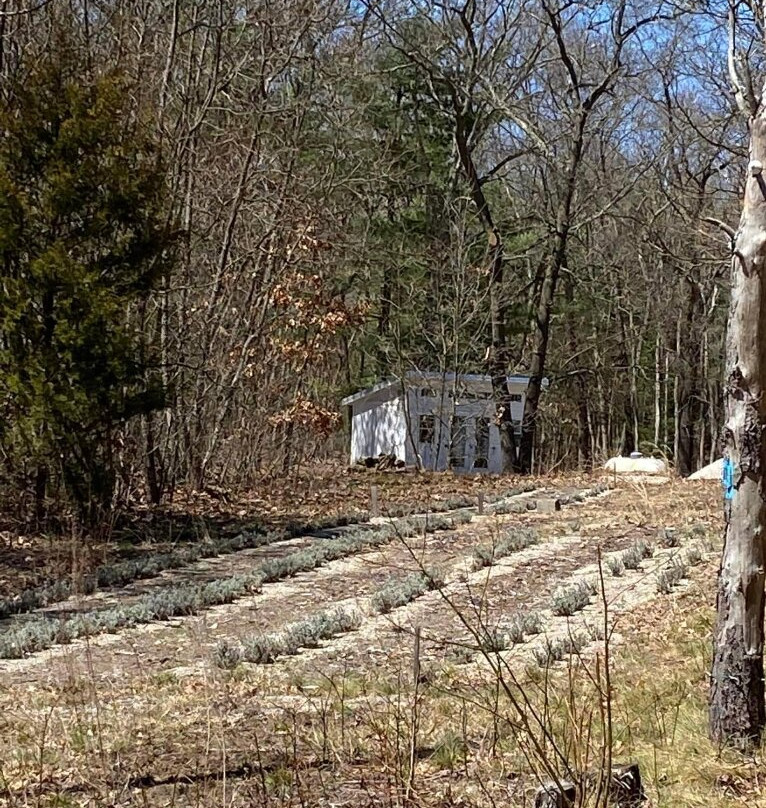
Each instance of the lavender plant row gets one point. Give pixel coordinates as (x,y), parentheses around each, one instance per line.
(515,539)
(504,506)
(396,592)
(555,650)
(308,633)
(36,635)
(266,648)
(121,573)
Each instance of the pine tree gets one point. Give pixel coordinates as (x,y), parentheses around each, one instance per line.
(83,241)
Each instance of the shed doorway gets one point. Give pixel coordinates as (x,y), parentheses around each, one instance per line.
(458,441)
(427,446)
(481,455)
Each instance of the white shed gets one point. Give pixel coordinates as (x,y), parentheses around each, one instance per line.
(445,418)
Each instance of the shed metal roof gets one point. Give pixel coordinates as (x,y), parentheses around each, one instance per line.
(415,377)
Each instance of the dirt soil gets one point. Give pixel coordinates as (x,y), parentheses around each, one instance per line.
(145,717)
(318,492)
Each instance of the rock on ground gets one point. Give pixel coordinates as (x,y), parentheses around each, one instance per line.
(631,465)
(713,471)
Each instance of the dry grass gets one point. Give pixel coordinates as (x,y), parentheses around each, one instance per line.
(139,733)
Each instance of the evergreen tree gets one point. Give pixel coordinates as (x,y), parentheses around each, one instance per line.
(83,241)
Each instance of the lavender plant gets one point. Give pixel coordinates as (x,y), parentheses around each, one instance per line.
(569,600)
(514,540)
(671,576)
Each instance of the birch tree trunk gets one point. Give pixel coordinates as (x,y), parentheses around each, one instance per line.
(737,713)
(657,390)
(666,401)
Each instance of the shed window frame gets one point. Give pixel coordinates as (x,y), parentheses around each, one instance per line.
(427,428)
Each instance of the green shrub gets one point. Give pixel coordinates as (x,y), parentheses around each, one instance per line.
(492,641)
(520,625)
(436,577)
(483,556)
(633,556)
(574,643)
(668,537)
(595,631)
(263,648)
(514,540)
(549,652)
(615,566)
(398,592)
(532,623)
(645,548)
(514,631)
(555,650)
(449,751)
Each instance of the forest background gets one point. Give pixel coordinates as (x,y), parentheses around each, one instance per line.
(218,218)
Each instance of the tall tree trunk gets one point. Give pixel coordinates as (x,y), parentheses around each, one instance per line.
(628,442)
(666,401)
(688,392)
(676,392)
(657,391)
(154,476)
(497,355)
(737,711)
(602,445)
(544,307)
(384,320)
(713,413)
(41,486)
(704,404)
(542,321)
(581,392)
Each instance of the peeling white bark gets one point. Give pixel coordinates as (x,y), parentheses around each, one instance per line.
(737,711)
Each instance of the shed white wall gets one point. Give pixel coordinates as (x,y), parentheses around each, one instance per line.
(379,426)
(387,421)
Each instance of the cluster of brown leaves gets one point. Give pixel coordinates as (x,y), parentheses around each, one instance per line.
(313,310)
(309,414)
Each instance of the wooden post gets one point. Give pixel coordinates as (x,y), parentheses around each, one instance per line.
(374,504)
(415,717)
(480,508)
(416,657)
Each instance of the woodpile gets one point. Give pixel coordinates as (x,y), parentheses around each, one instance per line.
(625,789)
(383,462)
